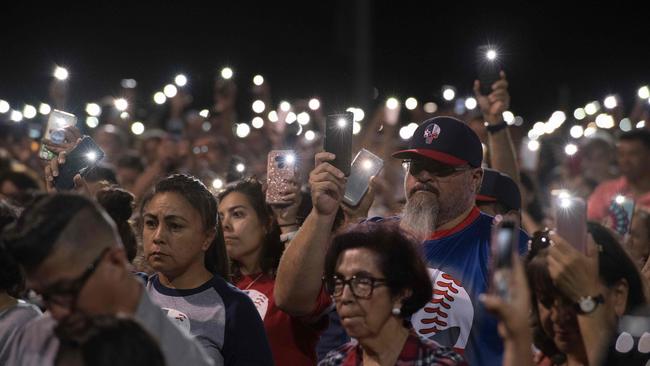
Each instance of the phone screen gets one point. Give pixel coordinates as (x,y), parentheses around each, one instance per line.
(571,220)
(83,157)
(54,131)
(504,243)
(338,139)
(364,166)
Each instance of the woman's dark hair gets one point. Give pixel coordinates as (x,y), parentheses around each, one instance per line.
(11,276)
(119,203)
(613,266)
(399,260)
(272,248)
(199,197)
(106,340)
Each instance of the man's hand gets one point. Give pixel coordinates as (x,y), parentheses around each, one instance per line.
(327,185)
(286,212)
(498,101)
(354,214)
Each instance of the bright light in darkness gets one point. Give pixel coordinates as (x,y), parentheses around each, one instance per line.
(180,80)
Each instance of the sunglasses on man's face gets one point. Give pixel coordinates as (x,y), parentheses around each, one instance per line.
(416,166)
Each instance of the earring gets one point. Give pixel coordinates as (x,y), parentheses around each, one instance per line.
(396,311)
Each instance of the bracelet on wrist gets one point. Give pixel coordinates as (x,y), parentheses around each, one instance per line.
(495,128)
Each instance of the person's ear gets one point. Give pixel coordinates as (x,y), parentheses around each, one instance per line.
(209,237)
(618,296)
(477,179)
(398,302)
(117,255)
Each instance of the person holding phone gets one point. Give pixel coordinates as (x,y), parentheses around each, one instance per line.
(251,230)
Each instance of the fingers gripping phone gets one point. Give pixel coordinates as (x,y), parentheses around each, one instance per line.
(364,166)
(621,212)
(54,131)
(505,237)
(571,220)
(488,67)
(79,160)
(281,170)
(338,139)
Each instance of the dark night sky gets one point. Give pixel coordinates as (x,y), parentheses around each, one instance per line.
(305,50)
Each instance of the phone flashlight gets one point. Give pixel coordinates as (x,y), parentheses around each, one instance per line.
(342,123)
(367,164)
(92,156)
(240,167)
(491,54)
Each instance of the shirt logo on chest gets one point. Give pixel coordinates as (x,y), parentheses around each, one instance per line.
(260,300)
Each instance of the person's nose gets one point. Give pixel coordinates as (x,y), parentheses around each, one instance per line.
(226,223)
(159,235)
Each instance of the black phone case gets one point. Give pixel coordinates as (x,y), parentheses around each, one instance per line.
(76,162)
(338,140)
(487,71)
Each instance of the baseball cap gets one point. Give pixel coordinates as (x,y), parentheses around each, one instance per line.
(499,187)
(444,139)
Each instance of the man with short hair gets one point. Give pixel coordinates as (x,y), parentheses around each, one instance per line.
(73,257)
(633,155)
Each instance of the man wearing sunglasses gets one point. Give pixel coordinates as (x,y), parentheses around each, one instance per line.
(73,258)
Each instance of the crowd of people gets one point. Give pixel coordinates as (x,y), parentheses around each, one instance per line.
(167,251)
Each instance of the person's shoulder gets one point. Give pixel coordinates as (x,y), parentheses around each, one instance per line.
(228,292)
(439,355)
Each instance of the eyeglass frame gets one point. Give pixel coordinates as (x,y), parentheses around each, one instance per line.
(374,283)
(75,286)
(448,172)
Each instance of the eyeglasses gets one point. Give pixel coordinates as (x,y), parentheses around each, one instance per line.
(416,166)
(65,293)
(361,286)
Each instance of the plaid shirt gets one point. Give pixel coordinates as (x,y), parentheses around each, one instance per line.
(416,352)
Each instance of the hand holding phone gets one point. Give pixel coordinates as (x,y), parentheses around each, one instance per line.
(55,133)
(571,219)
(338,139)
(79,160)
(280,172)
(488,66)
(364,166)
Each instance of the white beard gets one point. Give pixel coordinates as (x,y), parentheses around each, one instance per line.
(420,214)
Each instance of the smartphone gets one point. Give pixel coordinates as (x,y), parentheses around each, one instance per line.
(80,160)
(364,166)
(54,131)
(621,212)
(338,139)
(488,66)
(280,170)
(570,215)
(505,237)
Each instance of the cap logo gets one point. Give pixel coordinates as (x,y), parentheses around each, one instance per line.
(431,133)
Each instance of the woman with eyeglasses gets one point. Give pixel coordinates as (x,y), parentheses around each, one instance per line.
(578,298)
(183,245)
(251,229)
(378,280)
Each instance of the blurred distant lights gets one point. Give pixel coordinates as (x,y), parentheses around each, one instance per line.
(240,167)
(61,73)
(579,114)
(407,131)
(170,90)
(303,118)
(217,183)
(290,118)
(206,126)
(44,109)
(92,122)
(242,130)
(640,124)
(358,113)
(258,80)
(227,73)
(576,131)
(570,149)
(204,113)
(16,116)
(411,103)
(470,103)
(491,55)
(128,83)
(356,128)
(93,109)
(180,80)
(285,106)
(310,135)
(121,104)
(508,117)
(604,120)
(610,102)
(137,128)
(258,122)
(644,92)
(392,103)
(4,106)
(519,121)
(591,108)
(258,106)
(273,116)
(448,93)
(159,98)
(125,115)
(625,125)
(314,104)
(589,131)
(430,107)
(29,111)
(533,145)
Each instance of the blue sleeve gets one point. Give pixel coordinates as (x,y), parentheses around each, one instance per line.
(523,243)
(245,341)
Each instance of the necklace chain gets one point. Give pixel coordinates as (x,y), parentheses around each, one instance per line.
(253,281)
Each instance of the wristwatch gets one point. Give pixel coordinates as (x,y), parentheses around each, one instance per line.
(588,304)
(495,128)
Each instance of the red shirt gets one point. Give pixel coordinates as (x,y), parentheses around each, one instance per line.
(292,339)
(603,195)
